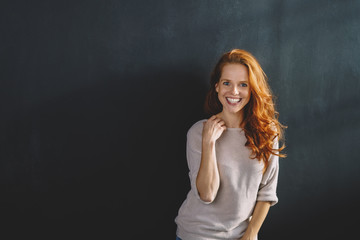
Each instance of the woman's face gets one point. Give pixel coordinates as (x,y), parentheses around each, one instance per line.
(233,88)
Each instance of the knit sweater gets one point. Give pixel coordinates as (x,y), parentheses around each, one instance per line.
(242,184)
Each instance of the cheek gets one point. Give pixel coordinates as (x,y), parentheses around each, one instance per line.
(221,90)
(246,93)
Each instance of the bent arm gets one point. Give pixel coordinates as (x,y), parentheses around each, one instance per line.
(260,212)
(208,179)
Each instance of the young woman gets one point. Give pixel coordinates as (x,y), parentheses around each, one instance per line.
(233,156)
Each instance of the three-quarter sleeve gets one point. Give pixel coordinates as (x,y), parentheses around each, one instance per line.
(193,155)
(268,185)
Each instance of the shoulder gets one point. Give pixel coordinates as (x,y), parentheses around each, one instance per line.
(196,128)
(194,134)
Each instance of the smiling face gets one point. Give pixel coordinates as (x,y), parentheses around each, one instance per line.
(233,88)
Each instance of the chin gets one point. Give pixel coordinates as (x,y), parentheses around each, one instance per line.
(233,111)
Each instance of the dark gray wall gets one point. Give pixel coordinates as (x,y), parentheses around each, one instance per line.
(97,96)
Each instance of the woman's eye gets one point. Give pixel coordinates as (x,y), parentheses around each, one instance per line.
(226,83)
(244,85)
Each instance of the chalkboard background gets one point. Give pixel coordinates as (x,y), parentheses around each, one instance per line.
(97,96)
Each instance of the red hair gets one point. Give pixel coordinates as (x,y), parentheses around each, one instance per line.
(261,125)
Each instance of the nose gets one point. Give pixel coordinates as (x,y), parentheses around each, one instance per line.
(235,90)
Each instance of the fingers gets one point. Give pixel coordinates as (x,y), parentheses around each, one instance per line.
(214,118)
(218,120)
(215,121)
(213,128)
(220,124)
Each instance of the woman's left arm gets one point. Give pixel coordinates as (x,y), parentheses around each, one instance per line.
(266,197)
(257,219)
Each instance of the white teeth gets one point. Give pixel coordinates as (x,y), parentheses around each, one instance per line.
(233,100)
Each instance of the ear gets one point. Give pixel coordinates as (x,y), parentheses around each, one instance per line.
(217,87)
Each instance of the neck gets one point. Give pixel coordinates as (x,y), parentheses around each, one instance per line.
(232,120)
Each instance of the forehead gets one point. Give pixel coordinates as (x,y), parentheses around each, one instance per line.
(234,72)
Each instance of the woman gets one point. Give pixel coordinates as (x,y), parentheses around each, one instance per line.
(232,156)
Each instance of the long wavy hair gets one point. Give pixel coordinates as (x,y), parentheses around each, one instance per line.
(261,125)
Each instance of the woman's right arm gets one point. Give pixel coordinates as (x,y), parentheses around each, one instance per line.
(208,179)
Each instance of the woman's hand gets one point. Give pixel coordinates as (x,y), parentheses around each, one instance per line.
(257,219)
(247,237)
(213,128)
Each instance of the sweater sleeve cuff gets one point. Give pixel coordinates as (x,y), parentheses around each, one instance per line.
(271,199)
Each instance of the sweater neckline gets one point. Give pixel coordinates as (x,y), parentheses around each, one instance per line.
(235,129)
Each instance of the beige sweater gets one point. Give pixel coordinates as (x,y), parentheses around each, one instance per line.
(242,183)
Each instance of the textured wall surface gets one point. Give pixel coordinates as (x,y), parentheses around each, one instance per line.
(96,98)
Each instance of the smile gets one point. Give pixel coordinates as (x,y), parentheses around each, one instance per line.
(233,100)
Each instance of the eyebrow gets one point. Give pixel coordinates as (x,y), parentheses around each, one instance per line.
(224,79)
